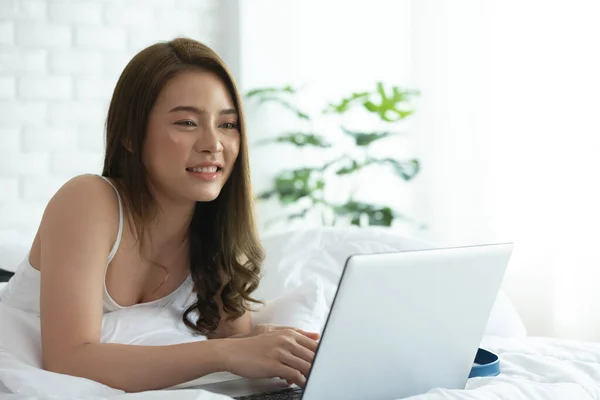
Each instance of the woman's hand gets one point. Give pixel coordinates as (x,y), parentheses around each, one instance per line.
(281,352)
(260,329)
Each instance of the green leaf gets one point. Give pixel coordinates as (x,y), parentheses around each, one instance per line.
(346,103)
(270,90)
(293,185)
(404,114)
(381,217)
(389,108)
(298,139)
(267,194)
(334,161)
(300,214)
(364,139)
(348,169)
(376,215)
(285,104)
(351,207)
(407,170)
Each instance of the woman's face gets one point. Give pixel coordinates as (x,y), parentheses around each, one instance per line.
(193,138)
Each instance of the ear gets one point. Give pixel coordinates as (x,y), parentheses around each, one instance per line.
(128,145)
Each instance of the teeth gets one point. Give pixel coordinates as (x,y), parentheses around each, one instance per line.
(203,169)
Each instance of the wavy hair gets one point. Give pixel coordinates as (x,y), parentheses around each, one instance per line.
(224,248)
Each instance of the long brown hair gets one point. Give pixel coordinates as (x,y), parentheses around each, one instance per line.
(225,251)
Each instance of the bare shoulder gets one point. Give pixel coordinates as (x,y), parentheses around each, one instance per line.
(87,187)
(87,194)
(84,203)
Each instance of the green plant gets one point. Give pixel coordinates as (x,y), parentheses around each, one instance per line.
(303,190)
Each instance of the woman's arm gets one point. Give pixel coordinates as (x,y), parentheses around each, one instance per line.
(76,233)
(240,327)
(135,368)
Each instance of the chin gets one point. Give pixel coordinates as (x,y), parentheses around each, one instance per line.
(205,195)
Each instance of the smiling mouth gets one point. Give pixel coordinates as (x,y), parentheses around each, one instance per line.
(206,170)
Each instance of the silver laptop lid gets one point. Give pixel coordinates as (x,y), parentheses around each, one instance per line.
(404,323)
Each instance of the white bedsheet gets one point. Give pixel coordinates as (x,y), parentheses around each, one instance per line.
(532,369)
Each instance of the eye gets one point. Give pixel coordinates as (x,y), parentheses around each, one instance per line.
(229,125)
(187,123)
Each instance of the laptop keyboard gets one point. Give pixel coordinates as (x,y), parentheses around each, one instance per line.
(294,393)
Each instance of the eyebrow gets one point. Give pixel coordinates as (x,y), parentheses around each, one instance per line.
(196,110)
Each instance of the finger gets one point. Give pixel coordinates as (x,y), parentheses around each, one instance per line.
(302,352)
(286,380)
(291,375)
(307,342)
(312,335)
(298,363)
(283,328)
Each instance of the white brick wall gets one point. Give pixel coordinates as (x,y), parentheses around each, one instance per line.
(76,62)
(59,62)
(23,10)
(80,12)
(7,32)
(10,140)
(45,88)
(18,61)
(7,87)
(101,37)
(44,35)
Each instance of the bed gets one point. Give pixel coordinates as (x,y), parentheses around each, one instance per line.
(301,272)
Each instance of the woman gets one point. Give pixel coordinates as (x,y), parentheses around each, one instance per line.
(171,213)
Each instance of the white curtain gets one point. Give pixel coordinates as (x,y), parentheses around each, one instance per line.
(508,131)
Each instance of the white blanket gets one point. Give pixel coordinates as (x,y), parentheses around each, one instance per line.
(532,369)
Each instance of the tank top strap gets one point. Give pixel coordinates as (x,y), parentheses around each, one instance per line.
(115,247)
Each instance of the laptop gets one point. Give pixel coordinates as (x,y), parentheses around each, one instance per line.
(400,324)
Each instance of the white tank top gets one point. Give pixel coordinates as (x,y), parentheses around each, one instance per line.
(23,290)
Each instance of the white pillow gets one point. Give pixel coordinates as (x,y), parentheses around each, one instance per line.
(504,320)
(303,307)
(12,252)
(293,257)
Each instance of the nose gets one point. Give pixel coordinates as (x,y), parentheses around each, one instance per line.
(209,141)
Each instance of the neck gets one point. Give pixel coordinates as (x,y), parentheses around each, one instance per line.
(170,229)
(168,236)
